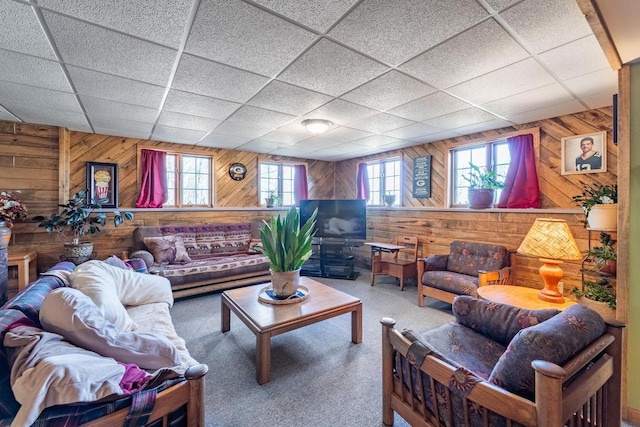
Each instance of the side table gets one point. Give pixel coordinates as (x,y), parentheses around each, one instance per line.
(26,263)
(519,296)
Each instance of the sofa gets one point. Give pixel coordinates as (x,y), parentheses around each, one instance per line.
(500,365)
(74,354)
(467,266)
(199,258)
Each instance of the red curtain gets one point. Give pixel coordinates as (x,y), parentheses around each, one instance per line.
(521,185)
(153,190)
(300,185)
(362,182)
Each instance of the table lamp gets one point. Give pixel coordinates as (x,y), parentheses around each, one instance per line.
(551,241)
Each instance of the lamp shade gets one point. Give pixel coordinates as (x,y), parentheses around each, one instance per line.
(552,239)
(317,126)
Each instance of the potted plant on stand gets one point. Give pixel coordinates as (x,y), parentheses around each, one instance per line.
(599,296)
(79,216)
(604,257)
(482,187)
(600,205)
(288,246)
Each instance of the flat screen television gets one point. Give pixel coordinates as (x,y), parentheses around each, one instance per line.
(339,219)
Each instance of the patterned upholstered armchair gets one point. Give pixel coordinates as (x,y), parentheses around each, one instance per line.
(467,266)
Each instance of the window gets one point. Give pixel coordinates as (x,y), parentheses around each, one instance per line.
(384,179)
(277,179)
(189,180)
(493,155)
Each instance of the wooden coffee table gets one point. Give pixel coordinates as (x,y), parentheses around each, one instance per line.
(268,320)
(519,296)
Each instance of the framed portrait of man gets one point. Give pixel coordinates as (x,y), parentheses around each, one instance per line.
(584,153)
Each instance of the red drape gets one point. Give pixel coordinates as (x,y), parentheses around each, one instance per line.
(300,185)
(362,182)
(521,185)
(153,190)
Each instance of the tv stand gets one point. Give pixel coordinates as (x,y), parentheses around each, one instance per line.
(332,258)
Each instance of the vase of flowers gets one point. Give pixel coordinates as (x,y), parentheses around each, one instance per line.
(600,205)
(12,209)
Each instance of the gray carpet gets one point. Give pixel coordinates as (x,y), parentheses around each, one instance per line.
(318,376)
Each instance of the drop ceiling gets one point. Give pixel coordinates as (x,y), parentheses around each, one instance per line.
(244,74)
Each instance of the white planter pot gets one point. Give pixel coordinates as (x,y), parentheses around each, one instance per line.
(603,217)
(285,283)
(602,308)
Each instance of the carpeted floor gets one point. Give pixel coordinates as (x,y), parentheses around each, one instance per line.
(318,376)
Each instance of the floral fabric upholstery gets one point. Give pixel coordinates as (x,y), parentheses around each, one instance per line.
(456,283)
(555,340)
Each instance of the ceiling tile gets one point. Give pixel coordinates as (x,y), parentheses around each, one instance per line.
(120,89)
(317,14)
(332,69)
(415,130)
(174,134)
(479,50)
(601,81)
(460,118)
(341,112)
(13,93)
(498,5)
(409,27)
(599,100)
(380,123)
(47,116)
(223,141)
(290,133)
(186,121)
(510,80)
(127,133)
(21,31)
(388,91)
(235,33)
(209,78)
(248,114)
(99,49)
(117,110)
(141,130)
(286,98)
(29,70)
(5,115)
(437,136)
(562,21)
(434,105)
(576,58)
(375,141)
(480,127)
(161,21)
(199,105)
(544,113)
(553,94)
(261,146)
(345,134)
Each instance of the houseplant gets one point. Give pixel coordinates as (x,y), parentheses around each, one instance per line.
(599,203)
(604,257)
(11,209)
(389,199)
(273,200)
(79,217)
(600,296)
(482,187)
(288,246)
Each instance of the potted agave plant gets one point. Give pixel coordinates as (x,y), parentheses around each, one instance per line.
(287,244)
(79,217)
(482,187)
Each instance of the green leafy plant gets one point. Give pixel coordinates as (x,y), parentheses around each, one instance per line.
(79,217)
(285,243)
(486,179)
(601,254)
(596,194)
(274,199)
(600,291)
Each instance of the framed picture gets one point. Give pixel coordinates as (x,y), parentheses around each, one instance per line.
(584,153)
(102,182)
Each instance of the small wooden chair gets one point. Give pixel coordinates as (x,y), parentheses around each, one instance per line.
(400,264)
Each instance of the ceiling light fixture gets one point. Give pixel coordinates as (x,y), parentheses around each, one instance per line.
(317,126)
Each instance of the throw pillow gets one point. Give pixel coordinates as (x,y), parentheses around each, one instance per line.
(146,256)
(72,314)
(167,249)
(555,340)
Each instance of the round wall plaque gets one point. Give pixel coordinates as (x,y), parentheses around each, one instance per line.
(237,171)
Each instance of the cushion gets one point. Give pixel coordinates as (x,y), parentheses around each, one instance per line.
(500,322)
(93,278)
(555,340)
(116,262)
(469,257)
(72,314)
(144,255)
(253,245)
(167,249)
(138,265)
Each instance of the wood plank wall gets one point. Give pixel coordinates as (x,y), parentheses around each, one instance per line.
(29,159)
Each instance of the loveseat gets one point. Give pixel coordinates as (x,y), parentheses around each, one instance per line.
(500,365)
(200,258)
(467,266)
(64,360)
